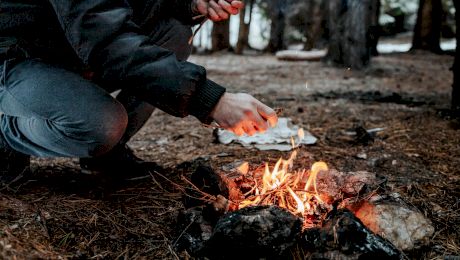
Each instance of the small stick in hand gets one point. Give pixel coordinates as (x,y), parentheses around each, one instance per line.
(190,41)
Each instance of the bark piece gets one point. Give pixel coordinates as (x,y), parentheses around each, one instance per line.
(333,186)
(343,236)
(206,180)
(405,227)
(218,184)
(253,233)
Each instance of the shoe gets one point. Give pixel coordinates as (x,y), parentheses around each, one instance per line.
(119,163)
(14,167)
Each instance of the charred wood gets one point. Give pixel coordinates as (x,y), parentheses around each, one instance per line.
(219,185)
(207,180)
(343,236)
(193,230)
(253,233)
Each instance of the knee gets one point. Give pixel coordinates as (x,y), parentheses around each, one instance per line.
(109,126)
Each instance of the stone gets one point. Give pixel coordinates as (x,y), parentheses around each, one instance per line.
(407,228)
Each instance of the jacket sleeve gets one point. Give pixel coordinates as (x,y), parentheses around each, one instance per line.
(149,10)
(104,37)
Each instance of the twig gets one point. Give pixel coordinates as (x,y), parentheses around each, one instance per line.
(156,182)
(255,186)
(211,197)
(170,181)
(190,41)
(173,253)
(168,244)
(183,232)
(125,252)
(197,198)
(198,16)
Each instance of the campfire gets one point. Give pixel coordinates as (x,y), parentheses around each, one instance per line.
(281,185)
(274,207)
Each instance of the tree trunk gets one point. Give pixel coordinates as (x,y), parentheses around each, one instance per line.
(221,35)
(456,67)
(427,32)
(243,33)
(277,12)
(374,29)
(349,28)
(313,30)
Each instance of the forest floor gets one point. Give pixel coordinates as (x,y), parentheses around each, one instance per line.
(63,215)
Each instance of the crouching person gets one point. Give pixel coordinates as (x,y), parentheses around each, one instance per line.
(60,60)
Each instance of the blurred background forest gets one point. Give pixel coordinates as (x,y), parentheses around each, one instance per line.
(304,22)
(352,31)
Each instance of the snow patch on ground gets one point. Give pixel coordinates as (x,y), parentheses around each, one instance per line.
(384,47)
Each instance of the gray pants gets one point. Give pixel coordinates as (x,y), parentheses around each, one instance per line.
(49,111)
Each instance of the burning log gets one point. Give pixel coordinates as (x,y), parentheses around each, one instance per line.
(343,236)
(271,232)
(221,186)
(334,186)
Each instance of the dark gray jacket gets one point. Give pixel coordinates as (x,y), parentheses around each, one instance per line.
(109,38)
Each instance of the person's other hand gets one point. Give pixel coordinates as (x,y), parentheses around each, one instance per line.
(217,10)
(243,114)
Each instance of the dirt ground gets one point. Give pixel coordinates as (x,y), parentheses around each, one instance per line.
(62,214)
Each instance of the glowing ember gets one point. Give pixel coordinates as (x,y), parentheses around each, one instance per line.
(293,190)
(243,168)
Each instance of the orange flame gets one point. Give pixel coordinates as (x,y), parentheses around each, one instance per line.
(295,191)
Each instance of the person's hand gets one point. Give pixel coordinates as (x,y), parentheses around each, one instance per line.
(217,10)
(243,114)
